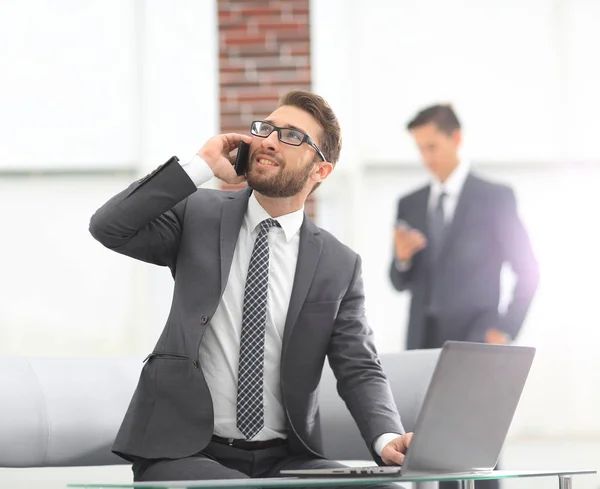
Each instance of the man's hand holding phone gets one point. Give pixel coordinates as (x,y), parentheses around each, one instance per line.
(216,152)
(407,242)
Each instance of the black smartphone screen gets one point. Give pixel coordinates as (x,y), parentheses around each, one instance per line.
(242,159)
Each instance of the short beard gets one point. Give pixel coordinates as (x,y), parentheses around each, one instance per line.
(285,184)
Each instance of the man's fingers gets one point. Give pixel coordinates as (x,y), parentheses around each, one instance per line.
(392,456)
(408,241)
(402,231)
(233,139)
(417,240)
(409,234)
(415,234)
(402,236)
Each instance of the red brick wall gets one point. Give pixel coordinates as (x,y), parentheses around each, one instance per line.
(264,51)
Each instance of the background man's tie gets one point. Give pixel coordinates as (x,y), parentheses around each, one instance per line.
(437,226)
(435,230)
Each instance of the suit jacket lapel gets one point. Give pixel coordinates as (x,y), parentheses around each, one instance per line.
(232,216)
(458,220)
(309,252)
(421,210)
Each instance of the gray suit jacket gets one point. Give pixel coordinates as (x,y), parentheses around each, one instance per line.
(163,219)
(485,233)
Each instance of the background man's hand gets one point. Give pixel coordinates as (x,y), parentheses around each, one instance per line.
(393,452)
(217,155)
(496,337)
(408,242)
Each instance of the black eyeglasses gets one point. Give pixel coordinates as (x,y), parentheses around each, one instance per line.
(286,135)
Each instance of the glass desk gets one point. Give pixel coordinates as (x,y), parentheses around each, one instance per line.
(467,480)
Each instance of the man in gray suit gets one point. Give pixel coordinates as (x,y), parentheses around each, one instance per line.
(451,240)
(262,296)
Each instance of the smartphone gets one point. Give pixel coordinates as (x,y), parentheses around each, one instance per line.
(242,159)
(401,223)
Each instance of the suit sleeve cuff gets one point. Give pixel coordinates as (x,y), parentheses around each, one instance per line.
(197,170)
(382,440)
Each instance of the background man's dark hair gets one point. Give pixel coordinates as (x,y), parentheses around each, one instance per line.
(443,116)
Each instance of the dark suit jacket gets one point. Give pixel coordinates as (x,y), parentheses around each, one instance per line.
(484,233)
(163,219)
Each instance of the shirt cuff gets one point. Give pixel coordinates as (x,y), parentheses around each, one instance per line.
(382,440)
(197,170)
(402,266)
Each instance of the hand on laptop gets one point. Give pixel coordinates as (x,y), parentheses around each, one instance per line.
(496,337)
(393,452)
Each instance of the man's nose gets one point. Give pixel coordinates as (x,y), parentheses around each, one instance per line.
(271,142)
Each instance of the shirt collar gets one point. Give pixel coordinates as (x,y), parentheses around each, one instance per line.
(454,183)
(290,223)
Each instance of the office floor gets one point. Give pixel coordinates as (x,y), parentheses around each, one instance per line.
(518,454)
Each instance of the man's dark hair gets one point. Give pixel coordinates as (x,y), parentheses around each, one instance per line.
(443,116)
(331,138)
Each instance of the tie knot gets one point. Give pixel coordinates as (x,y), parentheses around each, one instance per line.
(441,198)
(268,224)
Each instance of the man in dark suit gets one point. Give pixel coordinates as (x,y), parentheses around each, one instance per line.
(451,240)
(262,297)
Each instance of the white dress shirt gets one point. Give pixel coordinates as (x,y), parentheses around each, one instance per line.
(220,346)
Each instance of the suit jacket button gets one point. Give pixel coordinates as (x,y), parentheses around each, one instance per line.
(204,319)
(196,364)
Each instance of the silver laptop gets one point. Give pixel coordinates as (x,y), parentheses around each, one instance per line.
(465,416)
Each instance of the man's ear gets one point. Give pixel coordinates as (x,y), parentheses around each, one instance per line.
(322,171)
(457,136)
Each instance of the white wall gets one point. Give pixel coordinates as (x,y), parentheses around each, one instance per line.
(97,94)
(520,74)
(68,82)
